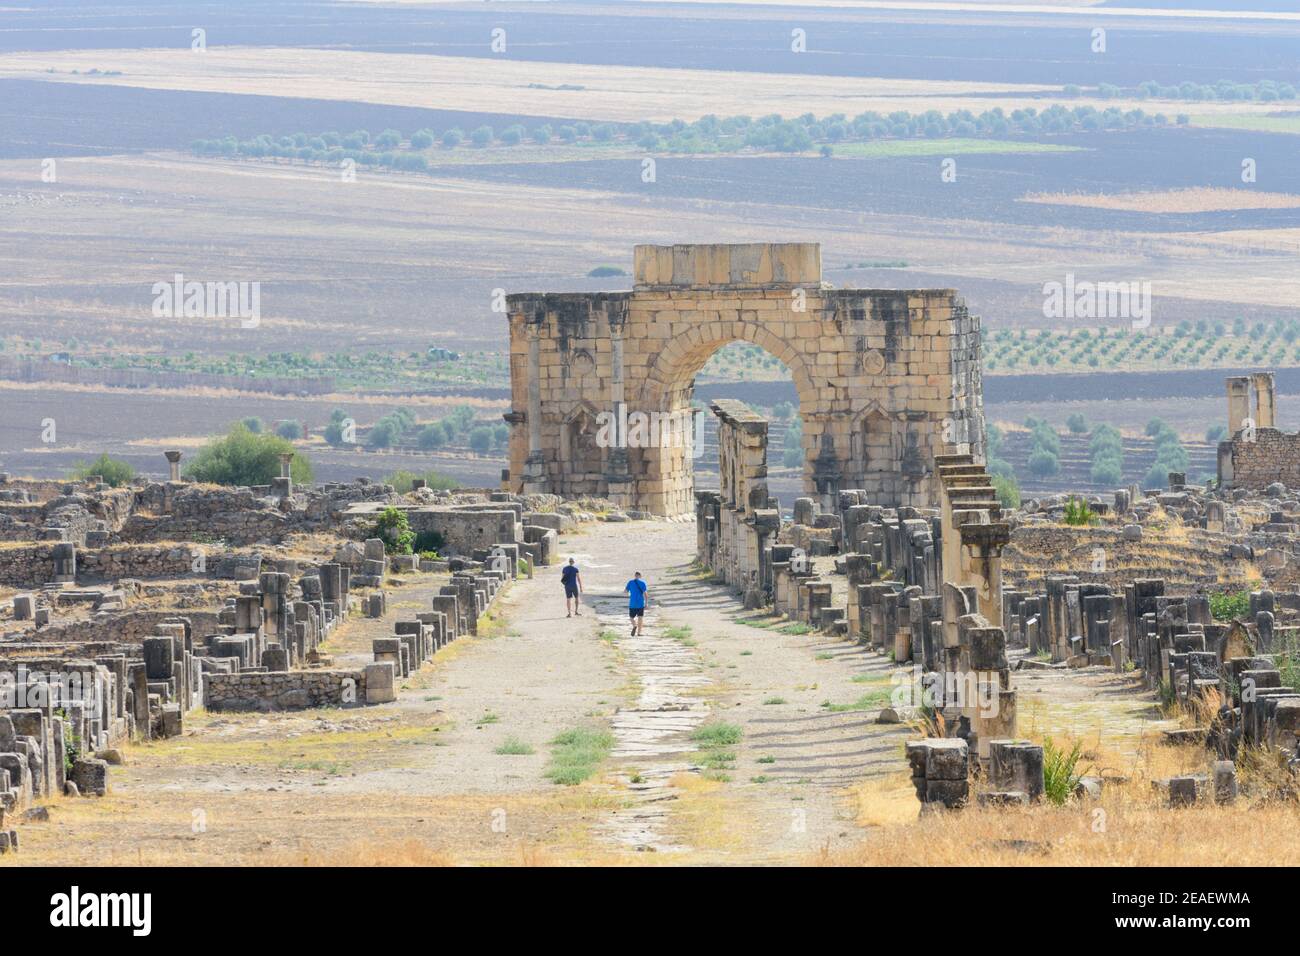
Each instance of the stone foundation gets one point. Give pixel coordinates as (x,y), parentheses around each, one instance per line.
(289,690)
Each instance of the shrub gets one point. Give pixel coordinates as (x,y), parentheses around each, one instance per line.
(1060,774)
(1106,471)
(1043,463)
(114,471)
(1078,513)
(1226,606)
(334,431)
(242,457)
(480,440)
(395,530)
(1077,424)
(253,424)
(1008,490)
(431,436)
(290,430)
(1155,477)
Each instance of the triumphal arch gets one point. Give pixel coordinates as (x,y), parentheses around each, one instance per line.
(602,382)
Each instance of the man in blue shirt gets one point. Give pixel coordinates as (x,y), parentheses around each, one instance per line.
(636,589)
(572,588)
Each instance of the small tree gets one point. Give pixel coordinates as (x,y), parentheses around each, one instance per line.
(1043,463)
(480,440)
(395,530)
(1077,424)
(244,458)
(1008,491)
(114,471)
(431,436)
(290,430)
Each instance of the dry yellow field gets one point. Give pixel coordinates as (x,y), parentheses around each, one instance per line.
(1172,200)
(497,84)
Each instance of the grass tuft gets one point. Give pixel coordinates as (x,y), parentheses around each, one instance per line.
(514,747)
(575,755)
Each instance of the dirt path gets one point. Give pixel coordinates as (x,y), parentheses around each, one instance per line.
(804,706)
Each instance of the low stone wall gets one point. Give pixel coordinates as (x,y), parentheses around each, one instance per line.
(29,567)
(128,627)
(285,690)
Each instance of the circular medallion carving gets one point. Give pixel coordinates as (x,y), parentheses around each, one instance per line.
(873,362)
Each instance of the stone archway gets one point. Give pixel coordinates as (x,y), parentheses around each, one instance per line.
(911,356)
(668,387)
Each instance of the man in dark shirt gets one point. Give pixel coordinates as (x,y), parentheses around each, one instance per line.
(572,588)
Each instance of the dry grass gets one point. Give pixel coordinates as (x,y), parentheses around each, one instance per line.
(1171,200)
(1129,826)
(304,828)
(483,84)
(1115,831)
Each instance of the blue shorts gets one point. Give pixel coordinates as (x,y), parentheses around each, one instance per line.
(634,612)
(570,591)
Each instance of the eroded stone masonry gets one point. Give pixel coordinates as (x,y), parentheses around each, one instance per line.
(967,592)
(124,609)
(887,380)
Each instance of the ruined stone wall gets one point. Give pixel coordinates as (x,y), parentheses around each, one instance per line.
(285,690)
(466,531)
(886,380)
(1265,457)
(166,511)
(29,567)
(734,525)
(127,627)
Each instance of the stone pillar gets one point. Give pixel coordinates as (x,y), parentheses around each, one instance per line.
(1238,403)
(173,464)
(617,473)
(1265,403)
(282,487)
(535,464)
